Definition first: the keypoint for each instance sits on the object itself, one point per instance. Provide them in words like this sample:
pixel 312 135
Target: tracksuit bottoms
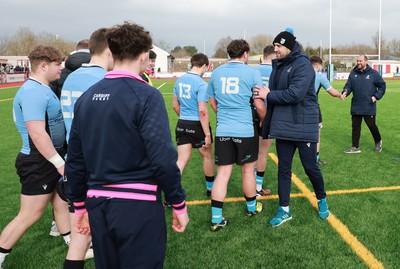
pixel 307 151
pixel 127 233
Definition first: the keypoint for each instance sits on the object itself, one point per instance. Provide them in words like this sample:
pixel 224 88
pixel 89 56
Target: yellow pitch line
pixel 342 229
pixel 240 199
pixel 390 188
pixel 6 99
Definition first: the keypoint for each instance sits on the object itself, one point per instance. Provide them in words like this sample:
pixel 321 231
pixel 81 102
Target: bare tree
pixel 24 40
pixel 3 44
pixel 394 47
pixel 163 45
pixel 375 43
pixel 258 43
pixel 220 48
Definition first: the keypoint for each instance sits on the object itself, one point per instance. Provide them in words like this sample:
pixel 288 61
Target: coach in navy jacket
pixel 367 87
pixel 292 101
pixel 364 84
pixel 292 119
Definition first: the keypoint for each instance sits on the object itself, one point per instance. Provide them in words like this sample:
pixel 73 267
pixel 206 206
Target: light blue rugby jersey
pixel 190 89
pixel 321 80
pixel 74 86
pixel 35 101
pixel 231 85
pixel 265 71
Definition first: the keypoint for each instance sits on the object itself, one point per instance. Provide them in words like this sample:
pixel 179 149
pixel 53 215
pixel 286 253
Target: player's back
pixel 231 85
pixel 190 89
pixel 74 86
pixel 265 71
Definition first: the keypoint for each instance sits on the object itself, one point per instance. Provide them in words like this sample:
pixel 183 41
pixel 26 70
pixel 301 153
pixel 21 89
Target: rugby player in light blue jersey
pixel 190 102
pixel 39 164
pixel 265 69
pixel 236 140
pixel 322 81
pixel 74 86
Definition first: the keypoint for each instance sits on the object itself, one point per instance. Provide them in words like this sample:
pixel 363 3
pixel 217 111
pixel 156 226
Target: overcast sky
pixel 202 23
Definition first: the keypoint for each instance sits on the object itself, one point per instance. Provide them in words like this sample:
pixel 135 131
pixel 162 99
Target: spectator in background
pixel 322 81
pixel 367 87
pixel 150 68
pixel 74 61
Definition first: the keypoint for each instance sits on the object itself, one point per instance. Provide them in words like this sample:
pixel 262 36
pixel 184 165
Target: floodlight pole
pixel 330 67
pixel 330 31
pixel 380 37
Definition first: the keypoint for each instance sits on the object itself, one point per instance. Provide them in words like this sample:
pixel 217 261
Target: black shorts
pixel 190 132
pixel 239 150
pixel 37 175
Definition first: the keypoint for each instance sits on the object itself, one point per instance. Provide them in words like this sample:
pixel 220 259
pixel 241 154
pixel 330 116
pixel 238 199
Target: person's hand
pixel 373 98
pixel 260 92
pixel 81 223
pixel 344 94
pixel 60 170
pixel 179 222
pixel 342 97
pixel 207 141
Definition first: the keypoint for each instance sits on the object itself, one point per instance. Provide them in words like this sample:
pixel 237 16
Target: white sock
pixel 67 239
pixel 2 257
pixel 285 208
pixel 259 187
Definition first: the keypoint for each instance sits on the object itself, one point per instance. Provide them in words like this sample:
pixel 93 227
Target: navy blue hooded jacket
pixel 292 103
pixel 364 84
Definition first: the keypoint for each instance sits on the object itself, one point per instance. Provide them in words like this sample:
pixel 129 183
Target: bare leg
pixel 221 182
pixel 184 152
pixel 31 210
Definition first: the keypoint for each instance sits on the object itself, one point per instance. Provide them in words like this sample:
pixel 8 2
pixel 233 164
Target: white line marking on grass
pixel 159 87
pixel 6 99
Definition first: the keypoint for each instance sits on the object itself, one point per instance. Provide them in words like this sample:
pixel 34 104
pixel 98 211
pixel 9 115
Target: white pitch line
pixel 159 87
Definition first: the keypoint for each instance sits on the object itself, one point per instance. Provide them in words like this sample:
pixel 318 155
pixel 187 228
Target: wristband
pixel 57 161
pixel 208 134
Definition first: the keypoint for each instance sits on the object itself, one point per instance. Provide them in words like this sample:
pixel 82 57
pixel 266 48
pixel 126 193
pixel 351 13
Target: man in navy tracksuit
pixel 292 119
pixel 367 87
pixel 120 158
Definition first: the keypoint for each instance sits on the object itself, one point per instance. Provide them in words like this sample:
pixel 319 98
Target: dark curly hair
pixel 237 47
pixel 128 41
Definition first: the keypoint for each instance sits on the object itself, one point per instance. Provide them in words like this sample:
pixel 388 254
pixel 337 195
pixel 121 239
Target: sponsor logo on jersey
pixel 237 140
pixel 101 97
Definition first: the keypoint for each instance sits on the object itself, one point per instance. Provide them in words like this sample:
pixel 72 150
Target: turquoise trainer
pixel 323 212
pixel 281 217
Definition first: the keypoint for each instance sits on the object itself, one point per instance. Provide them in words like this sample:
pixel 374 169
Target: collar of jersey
pixel 193 73
pixel 236 62
pixel 123 74
pixel 34 79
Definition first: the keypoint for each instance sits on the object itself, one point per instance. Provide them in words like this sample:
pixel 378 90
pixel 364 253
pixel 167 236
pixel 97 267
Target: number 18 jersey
pixel 231 86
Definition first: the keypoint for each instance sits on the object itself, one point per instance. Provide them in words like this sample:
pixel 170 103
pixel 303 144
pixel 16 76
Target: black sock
pixel 3 250
pixel 68 264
